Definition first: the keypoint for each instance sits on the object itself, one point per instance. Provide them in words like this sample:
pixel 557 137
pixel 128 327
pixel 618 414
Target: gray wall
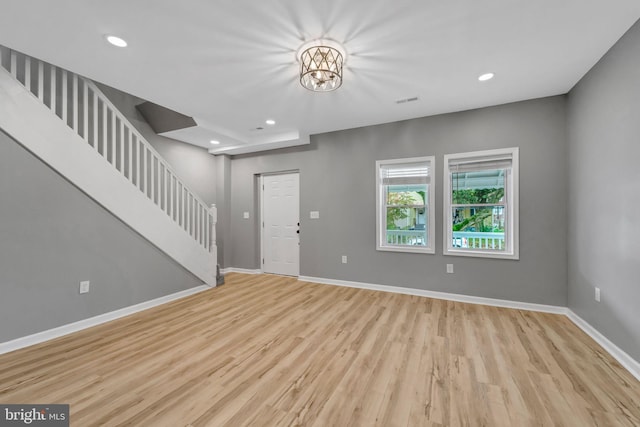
pixel 223 203
pixel 604 194
pixel 52 236
pixel 337 178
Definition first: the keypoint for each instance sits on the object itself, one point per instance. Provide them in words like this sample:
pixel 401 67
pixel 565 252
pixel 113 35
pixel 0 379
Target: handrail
pixel 139 135
pixel 86 109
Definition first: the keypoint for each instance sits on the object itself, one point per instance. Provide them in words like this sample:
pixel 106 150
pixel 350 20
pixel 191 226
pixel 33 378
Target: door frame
pixel 261 203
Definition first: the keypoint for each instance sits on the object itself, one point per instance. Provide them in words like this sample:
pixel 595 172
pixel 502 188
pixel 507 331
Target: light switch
pixel 84 286
pixel 245 215
pixel 314 214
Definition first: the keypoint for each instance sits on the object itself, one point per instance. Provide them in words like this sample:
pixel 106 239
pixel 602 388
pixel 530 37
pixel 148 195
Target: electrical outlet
pixel 84 286
pixel 245 215
pixel 314 215
pixel 344 259
pixel 598 294
pixel 450 268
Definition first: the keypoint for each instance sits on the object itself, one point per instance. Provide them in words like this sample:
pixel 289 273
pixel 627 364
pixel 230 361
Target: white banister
pixel 65 97
pixel 189 214
pixel 200 221
pixel 121 146
pixel 152 152
pixel 196 222
pixel 213 213
pixel 27 73
pixel 204 220
pixel 163 180
pixel 53 86
pixel 5 55
pixel 152 175
pixel 74 103
pixel 95 118
pixel 207 228
pixel 203 214
pixel 171 210
pixel 182 221
pixel 41 81
pixel 104 128
pixel 199 224
pixel 14 64
pixel 146 171
pixel 138 166
pixel 130 153
pixel 113 138
pixel 85 111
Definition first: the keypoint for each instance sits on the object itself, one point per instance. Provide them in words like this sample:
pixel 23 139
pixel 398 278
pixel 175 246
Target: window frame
pixel 430 219
pixel 511 212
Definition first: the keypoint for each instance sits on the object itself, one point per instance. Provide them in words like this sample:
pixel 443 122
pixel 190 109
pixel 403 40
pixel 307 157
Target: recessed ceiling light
pixel 485 77
pixel 116 41
pixel 214 142
pixel 270 122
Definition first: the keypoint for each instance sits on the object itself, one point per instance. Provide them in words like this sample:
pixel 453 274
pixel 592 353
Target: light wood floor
pixel 271 351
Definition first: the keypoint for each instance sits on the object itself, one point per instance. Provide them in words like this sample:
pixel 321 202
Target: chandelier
pixel 321 65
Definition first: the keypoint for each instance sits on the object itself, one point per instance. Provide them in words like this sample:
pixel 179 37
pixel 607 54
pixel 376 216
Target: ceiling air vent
pixel 405 100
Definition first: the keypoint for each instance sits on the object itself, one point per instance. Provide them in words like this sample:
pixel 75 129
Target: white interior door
pixel 281 224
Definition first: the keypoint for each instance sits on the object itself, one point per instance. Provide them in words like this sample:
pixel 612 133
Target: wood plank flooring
pixel 273 351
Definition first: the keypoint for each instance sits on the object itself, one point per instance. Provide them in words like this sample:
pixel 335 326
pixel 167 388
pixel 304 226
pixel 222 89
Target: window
pixel 481 204
pixel 405 200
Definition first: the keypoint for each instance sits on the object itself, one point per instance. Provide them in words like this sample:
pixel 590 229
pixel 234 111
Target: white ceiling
pixel 231 63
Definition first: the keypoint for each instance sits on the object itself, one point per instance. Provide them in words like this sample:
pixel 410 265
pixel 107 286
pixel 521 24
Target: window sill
pixel 409 249
pixel 481 254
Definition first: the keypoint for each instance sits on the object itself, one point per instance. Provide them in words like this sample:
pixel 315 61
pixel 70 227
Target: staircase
pixel 66 121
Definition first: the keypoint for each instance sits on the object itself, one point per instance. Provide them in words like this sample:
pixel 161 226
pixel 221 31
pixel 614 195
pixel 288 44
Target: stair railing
pixel 80 104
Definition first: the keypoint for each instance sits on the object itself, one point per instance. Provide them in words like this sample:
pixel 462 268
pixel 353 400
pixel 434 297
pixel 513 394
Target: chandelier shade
pixel 321 68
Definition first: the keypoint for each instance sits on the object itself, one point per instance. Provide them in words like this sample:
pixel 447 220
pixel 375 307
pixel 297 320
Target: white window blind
pixel 480 163
pixel 405 174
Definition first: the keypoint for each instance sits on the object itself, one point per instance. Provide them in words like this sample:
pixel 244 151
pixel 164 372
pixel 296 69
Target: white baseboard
pixel 441 295
pixel 629 363
pixel 50 334
pixel 240 270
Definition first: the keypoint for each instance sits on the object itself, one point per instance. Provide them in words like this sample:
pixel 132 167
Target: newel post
pixel 214 219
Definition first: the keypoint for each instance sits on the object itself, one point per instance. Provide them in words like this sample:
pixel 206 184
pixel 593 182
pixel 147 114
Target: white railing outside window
pixel 478 240
pixel 407 237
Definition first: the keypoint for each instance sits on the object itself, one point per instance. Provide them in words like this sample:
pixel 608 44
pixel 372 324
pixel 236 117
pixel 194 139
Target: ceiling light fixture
pixel 270 122
pixel 214 142
pixel 485 77
pixel 321 63
pixel 116 41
